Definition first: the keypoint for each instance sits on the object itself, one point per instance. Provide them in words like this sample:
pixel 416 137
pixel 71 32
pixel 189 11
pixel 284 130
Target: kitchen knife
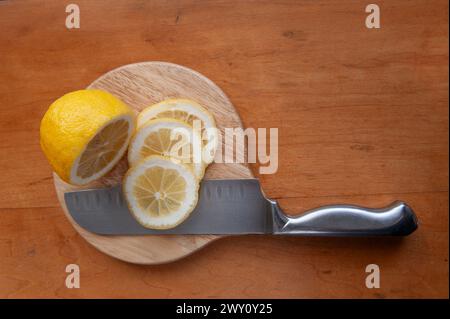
pixel 235 207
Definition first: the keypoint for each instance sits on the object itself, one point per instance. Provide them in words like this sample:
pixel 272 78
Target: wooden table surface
pixel 362 117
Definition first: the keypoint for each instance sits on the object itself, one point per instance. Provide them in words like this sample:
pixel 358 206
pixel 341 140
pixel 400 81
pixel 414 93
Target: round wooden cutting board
pixel 140 85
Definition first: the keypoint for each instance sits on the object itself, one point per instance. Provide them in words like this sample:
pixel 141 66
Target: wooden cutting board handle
pixel 140 85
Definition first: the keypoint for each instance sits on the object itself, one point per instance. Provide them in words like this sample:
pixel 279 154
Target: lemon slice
pixel 170 138
pixel 187 111
pixel 160 193
pixel 85 133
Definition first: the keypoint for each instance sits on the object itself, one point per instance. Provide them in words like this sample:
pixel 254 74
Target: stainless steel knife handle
pixel 397 219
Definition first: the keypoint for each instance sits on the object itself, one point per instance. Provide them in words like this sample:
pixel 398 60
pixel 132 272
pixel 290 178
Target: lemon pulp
pixel 159 191
pixel 103 148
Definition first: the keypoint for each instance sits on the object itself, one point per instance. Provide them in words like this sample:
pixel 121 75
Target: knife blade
pixel 224 207
pixel 236 207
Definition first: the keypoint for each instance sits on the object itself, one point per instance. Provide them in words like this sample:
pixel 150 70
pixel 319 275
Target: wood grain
pixel 140 85
pixel 362 117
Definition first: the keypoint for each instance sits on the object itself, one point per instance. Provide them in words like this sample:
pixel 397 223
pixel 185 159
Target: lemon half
pixel 85 133
pixel 160 193
pixel 186 111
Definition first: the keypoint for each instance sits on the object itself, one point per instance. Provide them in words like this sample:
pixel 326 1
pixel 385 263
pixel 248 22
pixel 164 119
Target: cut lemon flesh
pixel 187 111
pixel 103 151
pixel 85 133
pixel 160 193
pixel 170 138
